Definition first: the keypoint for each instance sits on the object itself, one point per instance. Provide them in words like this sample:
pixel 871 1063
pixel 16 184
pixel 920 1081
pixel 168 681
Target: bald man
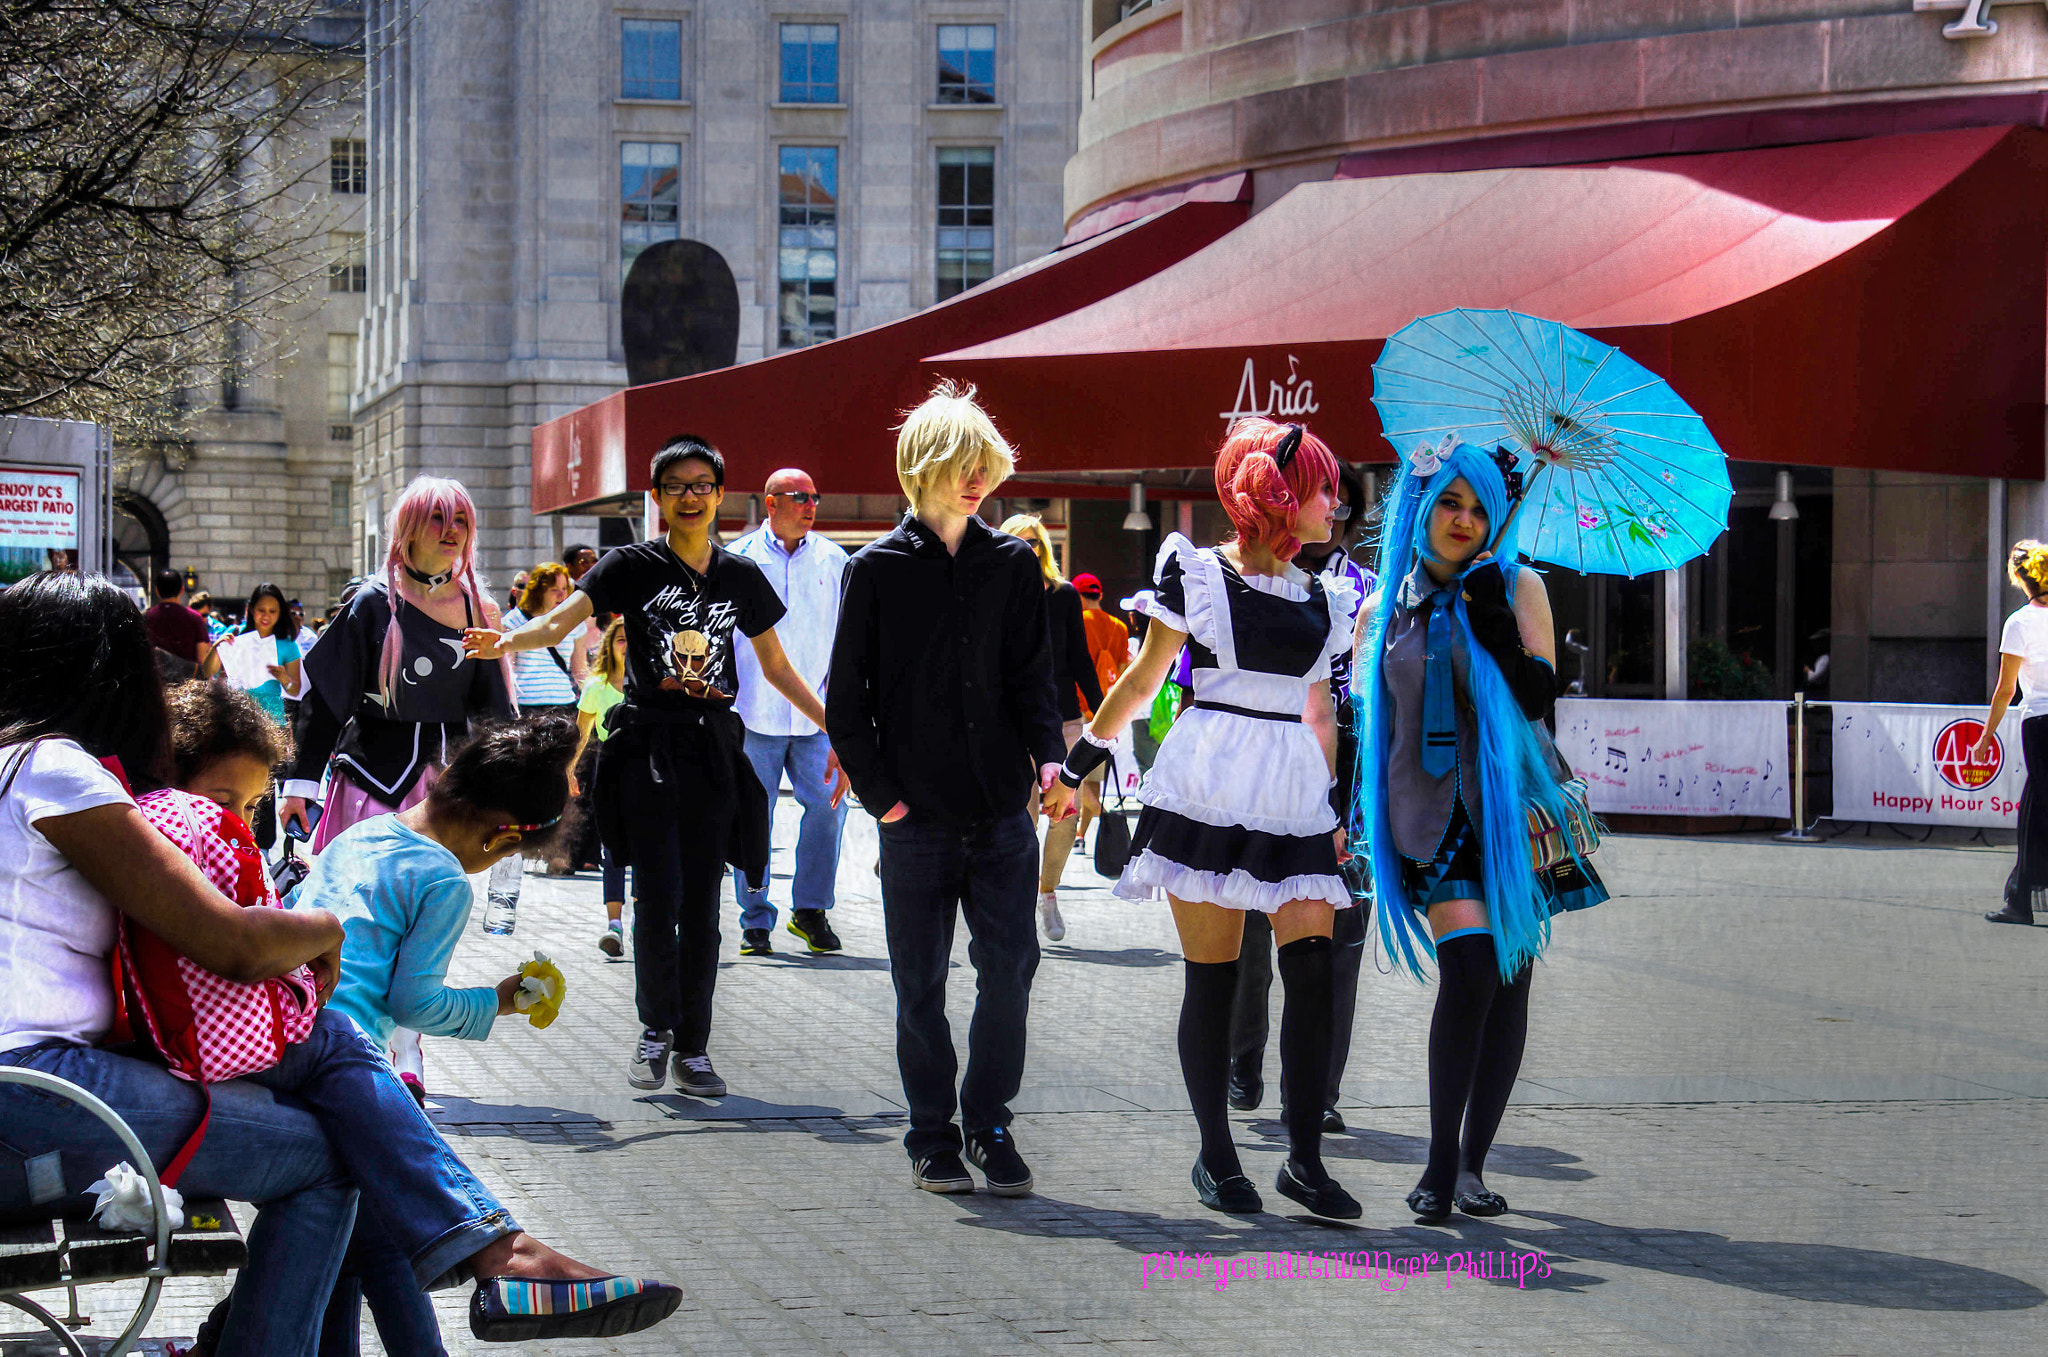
pixel 805 568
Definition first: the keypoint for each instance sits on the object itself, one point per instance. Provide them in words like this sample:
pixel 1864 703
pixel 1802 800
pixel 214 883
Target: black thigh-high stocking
pixel 1205 1059
pixel 1305 973
pixel 1467 981
pixel 1500 1060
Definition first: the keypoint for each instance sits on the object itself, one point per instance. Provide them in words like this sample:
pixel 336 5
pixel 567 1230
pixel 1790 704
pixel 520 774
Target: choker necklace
pixel 428 582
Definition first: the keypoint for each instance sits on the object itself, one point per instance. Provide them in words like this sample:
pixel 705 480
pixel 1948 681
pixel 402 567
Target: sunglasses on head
pixel 798 496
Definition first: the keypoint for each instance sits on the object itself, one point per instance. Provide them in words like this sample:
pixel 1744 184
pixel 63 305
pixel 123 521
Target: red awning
pixel 832 408
pixel 1879 303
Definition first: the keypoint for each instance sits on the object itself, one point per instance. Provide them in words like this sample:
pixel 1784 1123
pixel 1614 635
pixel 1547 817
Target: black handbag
pixel 1113 838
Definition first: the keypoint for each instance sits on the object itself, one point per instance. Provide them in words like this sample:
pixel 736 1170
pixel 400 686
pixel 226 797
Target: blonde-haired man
pixel 940 705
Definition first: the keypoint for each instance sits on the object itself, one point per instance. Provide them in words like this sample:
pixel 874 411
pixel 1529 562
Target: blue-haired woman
pixel 1457 668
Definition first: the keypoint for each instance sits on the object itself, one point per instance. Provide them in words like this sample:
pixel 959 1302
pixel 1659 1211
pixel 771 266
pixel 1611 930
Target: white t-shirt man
pixel 807 581
pixel 56 930
pixel 2026 635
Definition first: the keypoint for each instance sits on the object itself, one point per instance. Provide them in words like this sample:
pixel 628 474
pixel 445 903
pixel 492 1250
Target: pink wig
pixel 426 499
pixel 1260 498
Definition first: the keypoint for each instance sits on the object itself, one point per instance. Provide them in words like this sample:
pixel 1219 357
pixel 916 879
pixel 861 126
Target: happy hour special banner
pixel 1677 758
pixel 1909 763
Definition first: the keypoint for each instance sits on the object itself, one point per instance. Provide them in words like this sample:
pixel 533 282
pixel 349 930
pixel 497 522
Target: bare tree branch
pixel 150 213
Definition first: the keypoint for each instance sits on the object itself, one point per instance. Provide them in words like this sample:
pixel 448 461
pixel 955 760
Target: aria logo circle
pixel 1952 755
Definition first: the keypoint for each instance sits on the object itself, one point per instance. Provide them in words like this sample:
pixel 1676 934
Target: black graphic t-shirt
pixel 680 624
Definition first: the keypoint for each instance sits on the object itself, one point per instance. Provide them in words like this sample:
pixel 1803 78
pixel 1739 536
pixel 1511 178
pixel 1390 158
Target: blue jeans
pixel 931 876
pixel 341 1099
pixel 817 835
pixel 258 1148
pixel 375 1271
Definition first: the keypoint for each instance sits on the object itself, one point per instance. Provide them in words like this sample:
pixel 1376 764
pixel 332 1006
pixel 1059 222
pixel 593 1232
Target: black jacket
pixel 941 688
pixel 1071 662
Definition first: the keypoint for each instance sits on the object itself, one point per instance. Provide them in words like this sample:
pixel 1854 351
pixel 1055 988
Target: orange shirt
pixel 1109 641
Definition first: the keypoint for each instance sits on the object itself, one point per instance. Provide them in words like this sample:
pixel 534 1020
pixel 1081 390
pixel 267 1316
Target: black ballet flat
pixel 1233 1196
pixel 1429 1206
pixel 1484 1202
pixel 1327 1200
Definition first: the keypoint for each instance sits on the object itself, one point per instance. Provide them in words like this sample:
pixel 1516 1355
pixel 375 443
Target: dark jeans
pixel 2029 876
pixel 932 874
pixel 673 787
pixel 1249 1013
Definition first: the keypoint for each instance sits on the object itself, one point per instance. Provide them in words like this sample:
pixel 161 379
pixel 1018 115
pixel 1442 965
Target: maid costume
pixel 1238 804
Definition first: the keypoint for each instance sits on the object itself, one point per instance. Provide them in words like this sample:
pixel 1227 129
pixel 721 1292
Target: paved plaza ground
pixel 1776 1100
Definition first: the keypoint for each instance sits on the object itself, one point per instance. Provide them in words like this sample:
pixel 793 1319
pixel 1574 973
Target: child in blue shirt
pixel 400 886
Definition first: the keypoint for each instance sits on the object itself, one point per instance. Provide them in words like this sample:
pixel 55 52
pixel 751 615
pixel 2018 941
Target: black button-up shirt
pixel 941 690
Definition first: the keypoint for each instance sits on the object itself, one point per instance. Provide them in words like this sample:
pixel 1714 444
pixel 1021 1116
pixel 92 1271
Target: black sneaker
pixel 812 926
pixel 995 1154
pixel 755 942
pixel 695 1076
pixel 941 1171
pixel 649 1066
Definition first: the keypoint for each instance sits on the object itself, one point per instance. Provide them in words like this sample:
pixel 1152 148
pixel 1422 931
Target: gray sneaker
pixel 649 1066
pixel 695 1076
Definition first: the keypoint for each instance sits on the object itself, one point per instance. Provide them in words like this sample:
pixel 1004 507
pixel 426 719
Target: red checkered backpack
pixel 207 1028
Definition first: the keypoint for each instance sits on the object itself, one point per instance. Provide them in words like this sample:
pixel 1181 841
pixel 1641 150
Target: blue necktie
pixel 1439 710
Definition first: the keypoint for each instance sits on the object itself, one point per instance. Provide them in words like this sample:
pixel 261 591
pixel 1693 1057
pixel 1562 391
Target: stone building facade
pixel 260 491
pixel 1182 97
pixel 850 160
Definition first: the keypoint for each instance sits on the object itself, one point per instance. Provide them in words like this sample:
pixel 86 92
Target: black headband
pixel 1289 445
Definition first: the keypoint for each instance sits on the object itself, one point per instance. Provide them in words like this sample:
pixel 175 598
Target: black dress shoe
pixel 1234 1196
pixel 2003 916
pixel 1246 1091
pixel 1327 1200
pixel 1333 1125
pixel 1481 1203
pixel 1430 1206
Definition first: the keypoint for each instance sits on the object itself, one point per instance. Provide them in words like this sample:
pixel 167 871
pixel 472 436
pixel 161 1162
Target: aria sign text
pixel 1976 21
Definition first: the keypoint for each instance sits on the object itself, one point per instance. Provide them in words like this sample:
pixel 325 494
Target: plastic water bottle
pixel 501 897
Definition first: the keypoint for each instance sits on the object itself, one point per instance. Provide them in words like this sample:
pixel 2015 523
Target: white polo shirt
pixel 807 581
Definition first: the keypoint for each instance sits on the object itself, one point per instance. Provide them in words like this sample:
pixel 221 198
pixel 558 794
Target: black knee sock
pixel 1305 974
pixel 1205 1059
pixel 1467 980
pixel 1500 1060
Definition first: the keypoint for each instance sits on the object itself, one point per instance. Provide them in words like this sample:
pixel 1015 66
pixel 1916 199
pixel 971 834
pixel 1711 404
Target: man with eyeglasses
pixel 804 568
pixel 676 798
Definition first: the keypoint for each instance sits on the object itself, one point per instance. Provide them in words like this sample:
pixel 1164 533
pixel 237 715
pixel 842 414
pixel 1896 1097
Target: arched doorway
pixel 142 543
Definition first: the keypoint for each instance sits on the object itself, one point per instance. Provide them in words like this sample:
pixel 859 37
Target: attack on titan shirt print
pixel 697 659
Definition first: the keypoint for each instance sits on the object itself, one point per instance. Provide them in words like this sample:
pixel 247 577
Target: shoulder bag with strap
pixel 205 1027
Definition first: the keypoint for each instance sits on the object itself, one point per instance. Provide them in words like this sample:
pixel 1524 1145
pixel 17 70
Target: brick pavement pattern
pixel 1776 1099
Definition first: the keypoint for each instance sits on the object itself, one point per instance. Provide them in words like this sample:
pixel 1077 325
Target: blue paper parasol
pixel 1626 479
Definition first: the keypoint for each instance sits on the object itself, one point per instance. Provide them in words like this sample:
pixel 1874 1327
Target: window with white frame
pixel 967 63
pixel 650 197
pixel 348 165
pixel 807 189
pixel 967 218
pixel 348 266
pixel 341 385
pixel 650 59
pixel 810 64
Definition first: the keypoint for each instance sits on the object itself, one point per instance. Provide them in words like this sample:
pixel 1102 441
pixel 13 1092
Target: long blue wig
pixel 1513 770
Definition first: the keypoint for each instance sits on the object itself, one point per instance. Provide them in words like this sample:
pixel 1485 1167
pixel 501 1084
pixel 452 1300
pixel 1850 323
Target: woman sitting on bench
pixel 79 698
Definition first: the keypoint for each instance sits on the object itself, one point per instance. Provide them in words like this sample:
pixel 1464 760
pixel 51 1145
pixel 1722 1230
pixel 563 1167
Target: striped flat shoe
pixel 516 1310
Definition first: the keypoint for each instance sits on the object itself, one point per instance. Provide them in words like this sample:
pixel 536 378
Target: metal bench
pixel 44 1254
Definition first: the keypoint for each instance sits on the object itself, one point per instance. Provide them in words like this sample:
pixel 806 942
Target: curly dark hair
pixel 212 720
pixel 518 769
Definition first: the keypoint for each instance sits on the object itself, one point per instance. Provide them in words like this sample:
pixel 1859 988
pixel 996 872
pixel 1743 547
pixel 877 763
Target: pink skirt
pixel 348 804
